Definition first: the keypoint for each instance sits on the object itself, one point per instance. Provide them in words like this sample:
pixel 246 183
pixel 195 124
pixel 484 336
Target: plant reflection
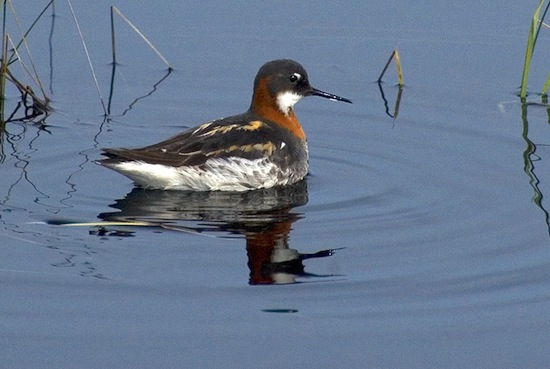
pixel 263 217
pixel 395 112
pixel 137 99
pixel 530 157
pixel 19 152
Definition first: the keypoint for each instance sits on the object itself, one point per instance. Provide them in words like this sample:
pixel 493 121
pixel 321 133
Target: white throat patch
pixel 286 100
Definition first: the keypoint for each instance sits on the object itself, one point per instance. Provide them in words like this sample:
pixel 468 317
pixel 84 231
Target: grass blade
pixel 24 37
pixel 546 86
pixel 113 38
pixel 3 68
pixel 87 56
pixel 394 56
pixel 399 70
pixel 531 41
pixel 3 73
pixel 142 36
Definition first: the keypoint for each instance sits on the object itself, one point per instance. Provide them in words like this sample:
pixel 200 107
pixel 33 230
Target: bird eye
pixel 295 77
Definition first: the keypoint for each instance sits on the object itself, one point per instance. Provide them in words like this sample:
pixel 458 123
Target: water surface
pixel 416 242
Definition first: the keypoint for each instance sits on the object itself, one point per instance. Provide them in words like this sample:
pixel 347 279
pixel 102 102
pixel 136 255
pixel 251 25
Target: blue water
pixel 436 219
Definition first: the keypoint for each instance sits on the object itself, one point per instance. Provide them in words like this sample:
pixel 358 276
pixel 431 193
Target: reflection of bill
pixel 263 217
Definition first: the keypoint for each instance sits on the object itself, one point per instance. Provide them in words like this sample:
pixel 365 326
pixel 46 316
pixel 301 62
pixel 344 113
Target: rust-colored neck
pixel 265 106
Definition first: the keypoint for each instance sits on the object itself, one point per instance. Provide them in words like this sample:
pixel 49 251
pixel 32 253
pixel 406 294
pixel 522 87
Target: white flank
pixel 286 100
pixel 232 174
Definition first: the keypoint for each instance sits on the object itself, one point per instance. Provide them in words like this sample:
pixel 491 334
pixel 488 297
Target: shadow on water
pixel 263 218
pixel 392 114
pixel 530 157
pixel 137 99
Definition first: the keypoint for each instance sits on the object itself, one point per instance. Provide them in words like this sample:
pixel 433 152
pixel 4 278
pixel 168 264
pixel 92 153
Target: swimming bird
pixel 261 148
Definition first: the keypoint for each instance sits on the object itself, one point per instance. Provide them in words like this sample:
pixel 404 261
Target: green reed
pixel 534 30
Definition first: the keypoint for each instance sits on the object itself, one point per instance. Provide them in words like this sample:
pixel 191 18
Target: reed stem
pixel 98 89
pixel 394 56
pixel 534 30
pixel 136 30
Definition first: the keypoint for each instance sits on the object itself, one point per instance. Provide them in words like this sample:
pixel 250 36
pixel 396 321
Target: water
pixel 416 242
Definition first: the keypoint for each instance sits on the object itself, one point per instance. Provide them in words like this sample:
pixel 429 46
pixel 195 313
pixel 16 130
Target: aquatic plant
pixel 37 105
pixel 114 53
pixel 107 108
pixel 534 29
pixel 33 105
pixel 394 56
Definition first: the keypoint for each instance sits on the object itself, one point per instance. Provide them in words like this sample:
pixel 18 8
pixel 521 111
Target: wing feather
pixel 234 136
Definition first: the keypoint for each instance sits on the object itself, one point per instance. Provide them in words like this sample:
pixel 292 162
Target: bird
pixel 261 148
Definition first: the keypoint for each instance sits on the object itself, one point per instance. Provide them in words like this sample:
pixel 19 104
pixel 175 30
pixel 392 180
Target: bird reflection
pixel 262 217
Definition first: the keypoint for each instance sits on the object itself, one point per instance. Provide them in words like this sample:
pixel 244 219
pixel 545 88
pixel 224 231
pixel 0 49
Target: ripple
pixel 444 201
